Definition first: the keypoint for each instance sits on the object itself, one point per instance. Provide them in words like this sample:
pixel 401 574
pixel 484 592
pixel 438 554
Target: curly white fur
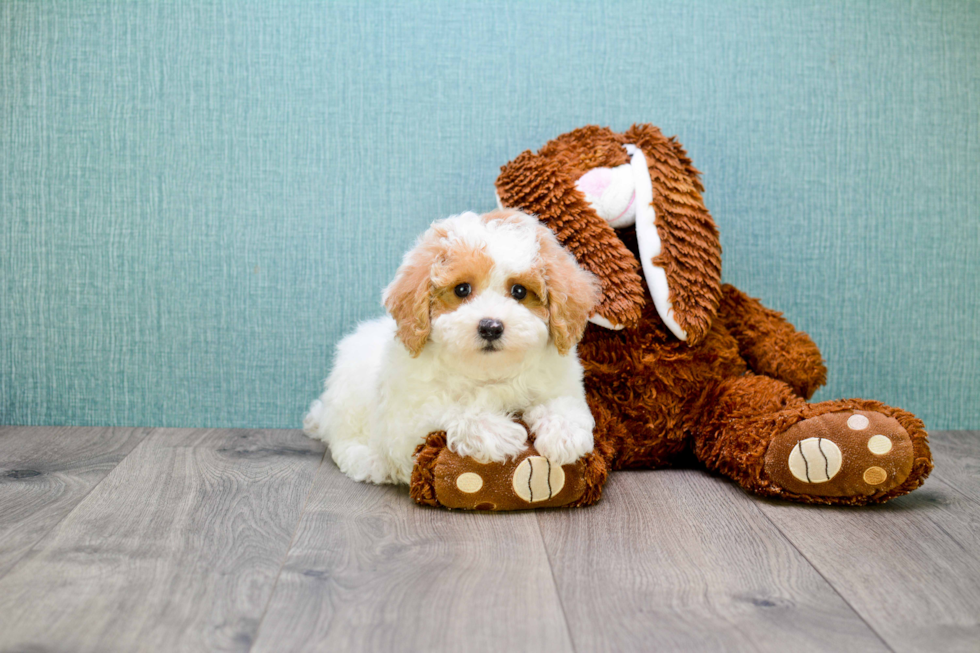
pixel 396 379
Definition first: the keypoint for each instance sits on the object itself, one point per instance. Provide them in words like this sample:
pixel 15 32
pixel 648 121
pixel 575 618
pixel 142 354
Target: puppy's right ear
pixel 408 297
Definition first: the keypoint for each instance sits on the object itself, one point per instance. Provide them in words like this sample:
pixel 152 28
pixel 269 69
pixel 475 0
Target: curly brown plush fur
pixel 741 378
pixel 728 381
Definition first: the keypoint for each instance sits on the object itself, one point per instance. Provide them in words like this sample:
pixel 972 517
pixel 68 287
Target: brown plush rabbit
pixel 675 361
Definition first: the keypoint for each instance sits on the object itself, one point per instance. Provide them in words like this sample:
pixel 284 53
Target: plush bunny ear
pixel 566 185
pixel 681 252
pixel 542 186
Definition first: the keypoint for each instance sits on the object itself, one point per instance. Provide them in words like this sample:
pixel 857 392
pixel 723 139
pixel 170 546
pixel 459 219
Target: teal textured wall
pixel 198 199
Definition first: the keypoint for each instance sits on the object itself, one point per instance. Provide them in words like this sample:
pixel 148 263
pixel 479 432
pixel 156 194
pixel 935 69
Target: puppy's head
pixel 492 287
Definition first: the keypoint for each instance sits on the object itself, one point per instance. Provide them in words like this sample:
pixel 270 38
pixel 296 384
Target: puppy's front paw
pixel 486 437
pixel 562 439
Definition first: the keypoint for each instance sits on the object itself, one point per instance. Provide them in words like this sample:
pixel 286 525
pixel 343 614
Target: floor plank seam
pixel 285 557
pixel 54 526
pixel 554 583
pixel 827 580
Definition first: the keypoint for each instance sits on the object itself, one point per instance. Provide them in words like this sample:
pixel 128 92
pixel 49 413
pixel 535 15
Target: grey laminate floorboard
pixel 370 571
pixel 185 545
pixel 678 560
pixel 957 456
pixel 910 567
pixel 45 472
pixel 177 549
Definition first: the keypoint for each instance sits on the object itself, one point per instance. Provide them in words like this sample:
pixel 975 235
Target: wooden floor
pixel 118 539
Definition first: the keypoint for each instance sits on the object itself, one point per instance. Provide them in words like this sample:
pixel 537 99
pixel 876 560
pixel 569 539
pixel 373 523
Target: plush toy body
pixel 677 363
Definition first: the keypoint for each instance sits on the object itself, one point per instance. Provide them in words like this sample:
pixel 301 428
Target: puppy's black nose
pixel 490 330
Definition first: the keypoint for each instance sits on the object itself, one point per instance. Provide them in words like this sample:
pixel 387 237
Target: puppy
pixel 484 315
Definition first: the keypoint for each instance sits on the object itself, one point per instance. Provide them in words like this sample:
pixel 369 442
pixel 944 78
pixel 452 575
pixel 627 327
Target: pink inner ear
pixel 595 182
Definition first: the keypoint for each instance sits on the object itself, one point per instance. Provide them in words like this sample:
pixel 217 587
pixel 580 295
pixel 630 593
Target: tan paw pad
pixel 536 479
pixel 879 444
pixel 469 482
pixel 875 475
pixel 815 460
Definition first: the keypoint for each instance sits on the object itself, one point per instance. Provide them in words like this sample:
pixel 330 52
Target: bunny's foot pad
pixel 850 453
pixel 443 478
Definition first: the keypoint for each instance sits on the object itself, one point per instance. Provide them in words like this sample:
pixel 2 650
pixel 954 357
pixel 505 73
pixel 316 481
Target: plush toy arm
pixel 771 345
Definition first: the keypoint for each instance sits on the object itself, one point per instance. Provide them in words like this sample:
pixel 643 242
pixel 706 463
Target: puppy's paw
pixel 560 438
pixel 486 437
pixel 313 423
pixel 361 463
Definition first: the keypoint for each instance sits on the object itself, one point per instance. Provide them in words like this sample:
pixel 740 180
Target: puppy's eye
pixel 518 292
pixel 462 290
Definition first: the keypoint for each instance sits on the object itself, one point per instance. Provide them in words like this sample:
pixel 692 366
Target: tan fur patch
pixel 459 264
pixel 536 300
pixel 462 264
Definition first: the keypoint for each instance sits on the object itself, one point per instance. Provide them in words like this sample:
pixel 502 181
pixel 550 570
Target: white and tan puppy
pixel 484 315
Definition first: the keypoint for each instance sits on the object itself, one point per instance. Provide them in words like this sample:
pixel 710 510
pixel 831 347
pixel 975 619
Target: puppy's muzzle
pixel 490 330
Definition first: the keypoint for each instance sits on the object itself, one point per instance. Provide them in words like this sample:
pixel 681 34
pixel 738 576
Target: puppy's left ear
pixel 572 292
pixel 407 299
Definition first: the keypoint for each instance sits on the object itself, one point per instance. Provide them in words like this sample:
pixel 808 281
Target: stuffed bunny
pixel 675 361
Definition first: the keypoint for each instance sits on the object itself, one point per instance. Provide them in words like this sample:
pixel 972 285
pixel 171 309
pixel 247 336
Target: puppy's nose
pixel 490 330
